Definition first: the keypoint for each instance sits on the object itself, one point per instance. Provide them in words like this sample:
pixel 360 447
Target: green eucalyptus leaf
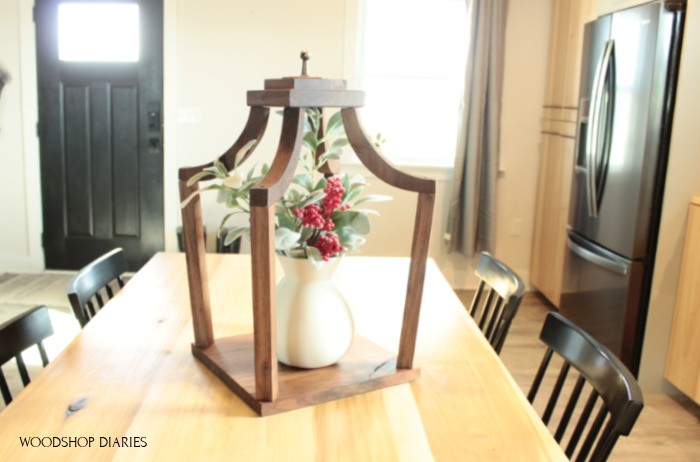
pixel 314 256
pixel 285 221
pixel 294 253
pixel 306 233
pixel 220 169
pixel 368 211
pixel 335 123
pixel 235 233
pixel 285 238
pixel 342 219
pixel 345 181
pixel 304 180
pixel 280 209
pixel 357 180
pixel 351 195
pixel 249 176
pixel 294 197
pixel 314 117
pixel 360 223
pixel 312 198
pixel 374 198
pixel 219 187
pixel 195 193
pixel 339 144
pixel 189 198
pixel 242 202
pixel 198 176
pixel 337 130
pixel 240 155
pixel 349 239
pixel 326 156
pixel 321 184
pixel 379 140
pixel 311 141
pixel 225 219
pixel 223 197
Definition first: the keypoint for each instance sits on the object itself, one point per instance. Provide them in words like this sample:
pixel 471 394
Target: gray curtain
pixel 472 226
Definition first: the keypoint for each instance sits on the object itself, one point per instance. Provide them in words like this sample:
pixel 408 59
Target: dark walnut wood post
pixel 247 364
pixel 377 164
pixel 192 229
pixel 262 231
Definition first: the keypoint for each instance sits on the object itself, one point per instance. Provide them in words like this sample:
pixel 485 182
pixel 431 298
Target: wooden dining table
pixel 129 388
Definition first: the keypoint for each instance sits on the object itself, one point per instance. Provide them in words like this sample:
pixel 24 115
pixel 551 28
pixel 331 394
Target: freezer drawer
pixel 601 293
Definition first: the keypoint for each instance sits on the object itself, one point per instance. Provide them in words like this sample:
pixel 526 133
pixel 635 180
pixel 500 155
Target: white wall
pixel 20 208
pixel 527 41
pixel 214 52
pixel 207 122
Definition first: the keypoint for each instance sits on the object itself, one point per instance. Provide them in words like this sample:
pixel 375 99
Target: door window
pixel 98 32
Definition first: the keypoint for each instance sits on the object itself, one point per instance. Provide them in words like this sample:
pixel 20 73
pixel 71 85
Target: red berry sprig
pixel 319 218
pixel 328 245
pixel 310 217
pixel 334 196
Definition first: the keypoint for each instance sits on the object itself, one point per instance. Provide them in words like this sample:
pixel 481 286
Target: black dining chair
pixel 95 284
pixel 613 391
pixel 17 335
pixel 496 300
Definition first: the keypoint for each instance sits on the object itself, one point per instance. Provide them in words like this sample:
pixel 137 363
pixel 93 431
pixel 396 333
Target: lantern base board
pixel 365 367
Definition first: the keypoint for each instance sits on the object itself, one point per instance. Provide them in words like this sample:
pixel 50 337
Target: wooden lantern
pixel 248 364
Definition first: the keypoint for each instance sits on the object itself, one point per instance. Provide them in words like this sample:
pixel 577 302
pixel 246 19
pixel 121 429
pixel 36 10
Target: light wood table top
pixel 142 386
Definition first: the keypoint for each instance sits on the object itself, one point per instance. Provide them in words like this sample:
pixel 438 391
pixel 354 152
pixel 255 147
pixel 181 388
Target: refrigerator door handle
pixel 592 135
pixel 597 256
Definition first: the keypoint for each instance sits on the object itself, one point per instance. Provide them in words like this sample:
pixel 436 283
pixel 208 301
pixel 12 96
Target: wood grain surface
pixel 682 365
pixel 134 368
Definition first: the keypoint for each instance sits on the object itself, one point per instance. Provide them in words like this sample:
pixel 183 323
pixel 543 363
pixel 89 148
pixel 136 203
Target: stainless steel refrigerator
pixel 628 77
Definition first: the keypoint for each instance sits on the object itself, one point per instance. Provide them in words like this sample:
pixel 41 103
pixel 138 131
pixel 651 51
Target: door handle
pixel 609 262
pixel 153 115
pixel 592 134
pixel 154 145
pixel 154 127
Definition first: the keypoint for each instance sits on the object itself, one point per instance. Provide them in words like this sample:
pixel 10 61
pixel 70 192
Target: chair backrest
pixel 95 284
pixel 16 335
pixel 497 299
pixel 601 371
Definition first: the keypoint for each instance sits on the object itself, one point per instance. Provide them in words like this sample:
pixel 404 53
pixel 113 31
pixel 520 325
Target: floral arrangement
pixel 317 218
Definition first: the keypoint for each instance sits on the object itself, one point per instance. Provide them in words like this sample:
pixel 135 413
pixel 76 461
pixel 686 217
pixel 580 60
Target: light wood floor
pixel 668 428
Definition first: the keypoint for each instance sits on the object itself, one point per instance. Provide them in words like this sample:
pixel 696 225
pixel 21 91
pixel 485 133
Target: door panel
pixel 601 295
pixel 621 223
pixel 101 156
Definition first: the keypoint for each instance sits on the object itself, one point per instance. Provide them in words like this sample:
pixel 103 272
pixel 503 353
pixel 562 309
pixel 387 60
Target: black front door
pixel 100 73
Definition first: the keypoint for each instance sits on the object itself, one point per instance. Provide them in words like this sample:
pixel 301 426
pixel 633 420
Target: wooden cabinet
pixel 608 6
pixel 558 144
pixel 564 62
pixel 551 214
pixel 683 358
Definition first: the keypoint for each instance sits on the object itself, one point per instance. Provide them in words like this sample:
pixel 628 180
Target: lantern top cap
pixel 305 91
pixel 305 56
pixel 304 81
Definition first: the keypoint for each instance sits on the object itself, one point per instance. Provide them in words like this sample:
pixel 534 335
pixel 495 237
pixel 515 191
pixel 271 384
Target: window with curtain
pixel 413 55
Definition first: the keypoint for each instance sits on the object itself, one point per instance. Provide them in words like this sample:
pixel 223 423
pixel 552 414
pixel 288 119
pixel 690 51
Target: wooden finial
pixel 305 56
